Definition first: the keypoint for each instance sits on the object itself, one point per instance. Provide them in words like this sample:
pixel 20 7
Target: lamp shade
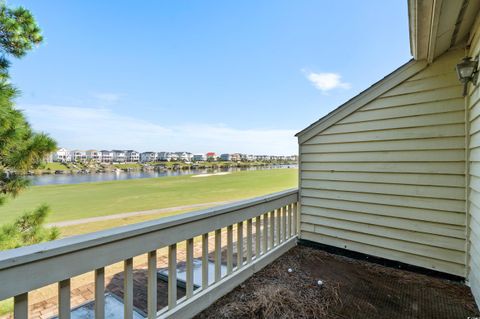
pixel 466 69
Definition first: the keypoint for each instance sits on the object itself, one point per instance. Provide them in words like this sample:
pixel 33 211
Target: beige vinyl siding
pixel 389 179
pixel 473 102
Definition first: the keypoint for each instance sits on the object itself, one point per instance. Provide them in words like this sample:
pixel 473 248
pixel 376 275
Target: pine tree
pixel 21 148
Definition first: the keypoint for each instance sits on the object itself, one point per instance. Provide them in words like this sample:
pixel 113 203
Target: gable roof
pixel 434 26
pixel 401 74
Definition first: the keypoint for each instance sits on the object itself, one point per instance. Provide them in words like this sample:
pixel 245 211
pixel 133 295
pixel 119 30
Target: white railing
pixel 271 224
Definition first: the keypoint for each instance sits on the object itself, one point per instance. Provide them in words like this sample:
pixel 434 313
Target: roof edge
pixel 396 77
pixel 422 27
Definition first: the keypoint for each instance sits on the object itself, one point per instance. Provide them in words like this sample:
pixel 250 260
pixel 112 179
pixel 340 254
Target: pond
pixel 114 176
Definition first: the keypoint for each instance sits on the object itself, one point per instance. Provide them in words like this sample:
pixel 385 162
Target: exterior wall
pixel 473 102
pixel 389 179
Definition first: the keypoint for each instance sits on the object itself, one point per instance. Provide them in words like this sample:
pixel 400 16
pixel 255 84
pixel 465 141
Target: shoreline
pixel 57 168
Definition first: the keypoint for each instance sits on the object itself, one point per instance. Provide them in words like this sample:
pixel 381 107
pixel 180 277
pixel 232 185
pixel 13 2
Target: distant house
pixel 262 158
pixel 226 157
pixel 164 156
pixel 147 157
pixel 247 157
pixel 174 157
pixel 184 156
pixel 132 156
pixel 293 158
pixel 61 155
pixel 199 157
pixel 235 157
pixel 119 156
pixel 211 156
pixel 106 156
pixel 94 155
pixel 78 156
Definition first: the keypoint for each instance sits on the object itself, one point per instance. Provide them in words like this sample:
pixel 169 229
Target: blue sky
pixel 201 76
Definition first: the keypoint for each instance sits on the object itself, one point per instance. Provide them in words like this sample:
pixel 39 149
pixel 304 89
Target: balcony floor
pixel 352 289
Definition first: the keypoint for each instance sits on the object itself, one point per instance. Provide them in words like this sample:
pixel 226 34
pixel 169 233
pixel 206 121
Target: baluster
pixel 64 299
pixel 239 245
pixel 279 225
pixel 189 261
pixel 152 285
pixel 218 254
pixel 265 233
pixel 20 310
pixel 128 288
pixel 284 223
pixel 100 293
pixel 289 221
pixel 172 276
pixel 229 249
pixel 295 216
pixel 204 261
pixel 272 229
pixel 249 241
pixel 257 237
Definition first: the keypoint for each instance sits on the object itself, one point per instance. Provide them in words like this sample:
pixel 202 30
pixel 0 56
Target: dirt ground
pixel 351 289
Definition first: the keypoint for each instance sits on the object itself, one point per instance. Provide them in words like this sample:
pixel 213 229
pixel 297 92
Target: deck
pixel 258 271
pixel 352 289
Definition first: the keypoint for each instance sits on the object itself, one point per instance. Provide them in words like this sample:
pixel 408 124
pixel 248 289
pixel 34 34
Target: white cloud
pixel 99 128
pixel 106 97
pixel 326 81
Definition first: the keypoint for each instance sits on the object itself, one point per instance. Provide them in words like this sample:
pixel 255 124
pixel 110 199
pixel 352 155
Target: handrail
pixel 18 256
pixel 60 260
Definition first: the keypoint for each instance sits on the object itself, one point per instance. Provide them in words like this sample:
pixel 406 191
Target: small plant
pixel 28 229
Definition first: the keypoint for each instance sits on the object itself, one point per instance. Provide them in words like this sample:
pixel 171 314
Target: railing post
pixel 152 285
pixel 172 276
pixel 100 293
pixel 278 224
pixel 239 245
pixel 249 241
pixel 257 236
pixel 229 249
pixel 20 309
pixel 205 261
pixel 289 220
pixel 218 254
pixel 296 227
pixel 284 223
pixel 128 288
pixel 64 299
pixel 272 229
pixel 265 233
pixel 189 261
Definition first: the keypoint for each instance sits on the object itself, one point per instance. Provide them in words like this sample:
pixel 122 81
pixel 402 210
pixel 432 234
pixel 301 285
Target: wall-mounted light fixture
pixel 467 72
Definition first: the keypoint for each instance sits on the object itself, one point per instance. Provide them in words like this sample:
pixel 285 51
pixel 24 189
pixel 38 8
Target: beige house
pixel 94 155
pixel 394 171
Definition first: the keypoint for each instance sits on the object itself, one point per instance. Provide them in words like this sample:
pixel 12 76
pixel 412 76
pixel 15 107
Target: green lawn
pixel 128 165
pixel 105 198
pixel 55 166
